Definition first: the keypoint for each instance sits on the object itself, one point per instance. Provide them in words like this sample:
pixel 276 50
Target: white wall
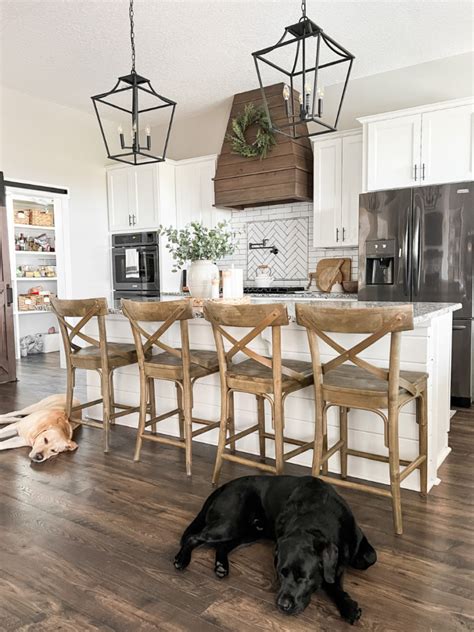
pixel 48 143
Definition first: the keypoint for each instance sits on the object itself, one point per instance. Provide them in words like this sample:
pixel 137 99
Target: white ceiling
pixel 198 52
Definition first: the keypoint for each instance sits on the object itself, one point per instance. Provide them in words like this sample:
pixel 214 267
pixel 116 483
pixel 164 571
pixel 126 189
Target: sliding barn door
pixel 7 342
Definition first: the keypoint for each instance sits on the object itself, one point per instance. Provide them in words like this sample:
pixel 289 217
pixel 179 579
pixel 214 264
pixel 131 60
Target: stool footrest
pixel 373 457
pixel 162 417
pixel 93 423
pixel 302 448
pixel 241 434
pixel 357 486
pixel 162 439
pixel 327 455
pixel 242 461
pixel 122 413
pixel 86 405
pixel 209 426
pixel 413 466
pixel 271 435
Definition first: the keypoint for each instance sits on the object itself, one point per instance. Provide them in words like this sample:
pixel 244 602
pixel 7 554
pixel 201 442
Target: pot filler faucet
pixel 262 245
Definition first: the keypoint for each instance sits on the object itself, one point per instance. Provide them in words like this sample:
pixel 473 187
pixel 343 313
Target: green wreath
pixel 265 138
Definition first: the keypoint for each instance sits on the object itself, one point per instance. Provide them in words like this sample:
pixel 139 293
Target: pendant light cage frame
pixel 304 104
pixel 128 90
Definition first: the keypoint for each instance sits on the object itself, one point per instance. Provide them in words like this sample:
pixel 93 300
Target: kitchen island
pixel 427 348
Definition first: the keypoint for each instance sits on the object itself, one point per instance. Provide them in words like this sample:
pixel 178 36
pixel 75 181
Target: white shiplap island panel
pixel 427 348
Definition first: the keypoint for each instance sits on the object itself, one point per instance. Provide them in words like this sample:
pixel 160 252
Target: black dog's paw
pixel 181 561
pixel 221 570
pixel 350 611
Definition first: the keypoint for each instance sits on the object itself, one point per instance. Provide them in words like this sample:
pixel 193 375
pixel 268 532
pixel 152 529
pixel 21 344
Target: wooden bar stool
pixel 267 378
pixel 183 366
pixel 367 387
pixel 98 355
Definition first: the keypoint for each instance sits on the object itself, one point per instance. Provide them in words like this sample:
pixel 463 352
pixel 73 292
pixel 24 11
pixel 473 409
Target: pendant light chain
pixel 132 35
pixel 303 8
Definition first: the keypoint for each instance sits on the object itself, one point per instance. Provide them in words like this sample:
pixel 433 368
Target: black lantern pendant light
pixel 137 108
pixel 305 60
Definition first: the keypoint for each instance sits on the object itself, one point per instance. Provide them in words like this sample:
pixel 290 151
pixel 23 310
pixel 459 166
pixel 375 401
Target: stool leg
pixel 69 390
pixel 343 434
pixel 112 396
pixel 152 398
pixel 105 380
pixel 188 423
pixel 278 420
pixel 222 436
pixel 231 421
pixel 325 466
pixel 179 400
pixel 261 426
pixel 142 416
pixel 394 463
pixel 318 439
pixel 422 418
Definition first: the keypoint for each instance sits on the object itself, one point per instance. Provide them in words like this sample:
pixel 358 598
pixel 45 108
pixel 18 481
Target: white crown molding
pixel 421 109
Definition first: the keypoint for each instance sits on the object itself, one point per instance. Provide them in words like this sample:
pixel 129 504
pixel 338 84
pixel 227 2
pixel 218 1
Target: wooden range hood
pixel 284 176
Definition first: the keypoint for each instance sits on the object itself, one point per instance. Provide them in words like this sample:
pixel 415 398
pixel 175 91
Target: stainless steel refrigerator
pixel 416 245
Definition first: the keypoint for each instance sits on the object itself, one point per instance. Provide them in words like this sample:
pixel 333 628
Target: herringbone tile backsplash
pixel 290 229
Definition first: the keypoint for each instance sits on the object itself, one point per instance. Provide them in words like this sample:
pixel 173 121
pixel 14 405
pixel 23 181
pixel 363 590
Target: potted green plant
pixel 202 247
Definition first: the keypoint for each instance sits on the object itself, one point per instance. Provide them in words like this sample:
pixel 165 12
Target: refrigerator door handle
pixel 417 249
pixel 406 257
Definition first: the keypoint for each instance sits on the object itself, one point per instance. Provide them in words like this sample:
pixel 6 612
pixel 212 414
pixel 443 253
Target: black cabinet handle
pixel 337 234
pixel 416 168
pixel 459 327
pixel 343 234
pixel 9 295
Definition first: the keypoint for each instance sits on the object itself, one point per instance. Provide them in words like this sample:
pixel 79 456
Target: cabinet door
pixel 351 188
pixel 393 153
pixel 169 281
pixel 327 193
pixel 447 145
pixel 195 192
pixel 145 180
pixel 120 192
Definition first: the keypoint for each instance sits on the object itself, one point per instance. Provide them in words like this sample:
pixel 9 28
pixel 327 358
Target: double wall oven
pixel 135 265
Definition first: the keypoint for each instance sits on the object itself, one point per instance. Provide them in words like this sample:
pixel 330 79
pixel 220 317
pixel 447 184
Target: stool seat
pixel 118 355
pixel 239 374
pixel 167 364
pixel 353 380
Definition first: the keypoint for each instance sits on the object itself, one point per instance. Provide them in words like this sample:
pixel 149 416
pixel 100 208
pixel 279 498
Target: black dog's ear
pixel 330 556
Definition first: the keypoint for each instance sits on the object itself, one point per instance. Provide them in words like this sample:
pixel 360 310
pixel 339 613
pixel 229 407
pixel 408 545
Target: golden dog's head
pixel 52 441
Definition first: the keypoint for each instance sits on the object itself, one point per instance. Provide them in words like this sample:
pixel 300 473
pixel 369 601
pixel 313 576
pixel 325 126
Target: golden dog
pixel 42 426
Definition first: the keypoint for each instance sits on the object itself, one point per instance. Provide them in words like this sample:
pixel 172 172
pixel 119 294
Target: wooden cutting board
pixel 327 272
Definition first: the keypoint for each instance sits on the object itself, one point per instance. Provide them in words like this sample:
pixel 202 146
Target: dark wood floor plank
pixel 87 542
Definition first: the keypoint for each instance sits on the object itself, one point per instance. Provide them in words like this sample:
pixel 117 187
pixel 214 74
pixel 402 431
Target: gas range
pixel 273 290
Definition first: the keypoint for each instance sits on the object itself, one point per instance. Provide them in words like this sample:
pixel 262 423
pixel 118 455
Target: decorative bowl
pixel 350 287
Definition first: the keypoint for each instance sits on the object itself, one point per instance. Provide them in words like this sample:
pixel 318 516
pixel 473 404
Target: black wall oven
pixel 135 265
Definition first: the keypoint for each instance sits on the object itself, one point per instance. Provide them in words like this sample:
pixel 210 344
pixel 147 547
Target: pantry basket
pixel 22 216
pixel 42 218
pixel 26 302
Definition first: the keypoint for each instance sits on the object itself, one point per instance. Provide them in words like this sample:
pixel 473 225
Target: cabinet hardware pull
pixel 129 219
pixel 337 234
pixel 343 234
pixel 416 167
pixel 133 219
pixel 423 171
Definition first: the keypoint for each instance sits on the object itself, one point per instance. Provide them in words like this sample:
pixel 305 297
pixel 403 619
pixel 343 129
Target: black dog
pixel 316 535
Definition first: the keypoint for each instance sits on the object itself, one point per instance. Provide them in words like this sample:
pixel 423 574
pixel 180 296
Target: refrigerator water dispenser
pixel 380 262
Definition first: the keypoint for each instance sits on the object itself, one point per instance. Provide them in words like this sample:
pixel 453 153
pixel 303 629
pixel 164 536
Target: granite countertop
pixel 423 312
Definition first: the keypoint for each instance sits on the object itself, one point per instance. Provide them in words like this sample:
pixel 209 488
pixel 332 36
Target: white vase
pixel 199 277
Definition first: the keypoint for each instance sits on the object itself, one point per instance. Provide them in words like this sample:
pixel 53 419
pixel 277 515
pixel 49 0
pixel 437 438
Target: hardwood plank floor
pixel 87 542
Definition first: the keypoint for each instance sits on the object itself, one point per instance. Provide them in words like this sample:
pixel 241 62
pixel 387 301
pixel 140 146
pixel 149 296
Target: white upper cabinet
pixel 327 191
pixel 133 197
pixel 351 188
pixel 393 152
pixel 195 191
pixel 448 145
pixel 425 145
pixel 120 198
pixel 337 185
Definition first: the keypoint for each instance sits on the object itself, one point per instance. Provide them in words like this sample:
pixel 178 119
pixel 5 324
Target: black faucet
pixel 262 245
